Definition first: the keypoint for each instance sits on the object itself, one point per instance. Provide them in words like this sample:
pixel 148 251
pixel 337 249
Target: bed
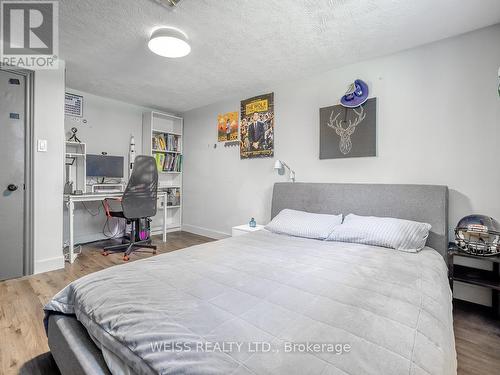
pixel 265 303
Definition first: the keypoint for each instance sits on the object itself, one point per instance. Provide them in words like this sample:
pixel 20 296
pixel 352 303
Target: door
pixel 12 173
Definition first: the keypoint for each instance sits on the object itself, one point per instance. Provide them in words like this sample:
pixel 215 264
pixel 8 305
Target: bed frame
pixel 76 354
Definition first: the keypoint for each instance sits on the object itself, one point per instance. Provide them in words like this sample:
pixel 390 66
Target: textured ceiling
pixel 241 46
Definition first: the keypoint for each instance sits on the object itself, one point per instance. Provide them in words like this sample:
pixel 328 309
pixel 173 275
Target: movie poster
pixel 227 127
pixel 257 127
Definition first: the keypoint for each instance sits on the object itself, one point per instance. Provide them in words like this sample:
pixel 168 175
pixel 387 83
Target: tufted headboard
pixel 424 203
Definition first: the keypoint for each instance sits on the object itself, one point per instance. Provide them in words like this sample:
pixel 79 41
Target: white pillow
pixel 304 224
pixel 399 234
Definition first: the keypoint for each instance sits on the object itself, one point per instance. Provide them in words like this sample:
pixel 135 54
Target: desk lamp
pixel 280 166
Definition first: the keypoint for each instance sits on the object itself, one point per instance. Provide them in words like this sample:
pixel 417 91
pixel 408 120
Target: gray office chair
pixel 138 203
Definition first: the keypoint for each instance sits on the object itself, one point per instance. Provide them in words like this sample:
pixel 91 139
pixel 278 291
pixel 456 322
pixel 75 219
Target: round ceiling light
pixel 169 42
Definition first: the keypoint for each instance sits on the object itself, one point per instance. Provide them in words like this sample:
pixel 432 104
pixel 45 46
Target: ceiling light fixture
pixel 169 42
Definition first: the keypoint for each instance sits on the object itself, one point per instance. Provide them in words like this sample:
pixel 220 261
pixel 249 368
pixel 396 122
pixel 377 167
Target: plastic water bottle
pixel 252 223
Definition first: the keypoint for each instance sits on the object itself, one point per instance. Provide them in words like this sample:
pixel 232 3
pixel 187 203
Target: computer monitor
pixel 105 166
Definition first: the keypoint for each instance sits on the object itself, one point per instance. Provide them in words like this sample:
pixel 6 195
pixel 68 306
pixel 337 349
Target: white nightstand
pixel 245 228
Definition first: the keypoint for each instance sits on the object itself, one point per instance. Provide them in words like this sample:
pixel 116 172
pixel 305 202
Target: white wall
pixel 48 169
pixel 109 126
pixel 438 123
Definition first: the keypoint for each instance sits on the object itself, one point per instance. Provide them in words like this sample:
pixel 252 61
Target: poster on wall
pixel 257 127
pixel 348 132
pixel 227 127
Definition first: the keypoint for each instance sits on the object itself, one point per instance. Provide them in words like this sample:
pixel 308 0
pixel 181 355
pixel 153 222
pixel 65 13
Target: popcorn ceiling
pixel 242 47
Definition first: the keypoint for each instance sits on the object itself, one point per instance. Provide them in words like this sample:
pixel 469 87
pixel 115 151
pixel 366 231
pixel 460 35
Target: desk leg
pixel 164 217
pixel 71 209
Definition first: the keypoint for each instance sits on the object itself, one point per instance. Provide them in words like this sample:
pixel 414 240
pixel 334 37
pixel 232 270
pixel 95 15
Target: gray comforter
pixel 264 303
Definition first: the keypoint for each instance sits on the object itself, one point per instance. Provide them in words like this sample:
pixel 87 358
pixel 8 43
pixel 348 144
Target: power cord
pixel 119 230
pixel 90 212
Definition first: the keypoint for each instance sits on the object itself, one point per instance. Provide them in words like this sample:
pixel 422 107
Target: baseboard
pixel 215 234
pixel 159 231
pixel 49 264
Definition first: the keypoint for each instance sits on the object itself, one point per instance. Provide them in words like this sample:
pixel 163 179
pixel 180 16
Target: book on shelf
pixel 173 163
pixel 166 142
pixel 160 161
pixel 159 142
pixel 172 142
pixel 169 162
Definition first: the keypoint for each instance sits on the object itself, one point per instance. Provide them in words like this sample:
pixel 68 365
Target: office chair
pixel 138 203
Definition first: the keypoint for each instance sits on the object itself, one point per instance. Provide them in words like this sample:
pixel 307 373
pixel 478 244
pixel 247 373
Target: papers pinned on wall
pixel 73 105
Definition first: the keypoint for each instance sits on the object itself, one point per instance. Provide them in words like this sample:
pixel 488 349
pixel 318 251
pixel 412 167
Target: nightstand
pixel 475 276
pixel 245 228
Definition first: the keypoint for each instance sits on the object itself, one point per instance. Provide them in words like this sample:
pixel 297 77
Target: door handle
pixel 12 187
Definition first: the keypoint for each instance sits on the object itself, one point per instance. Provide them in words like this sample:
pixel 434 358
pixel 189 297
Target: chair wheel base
pixel 126 258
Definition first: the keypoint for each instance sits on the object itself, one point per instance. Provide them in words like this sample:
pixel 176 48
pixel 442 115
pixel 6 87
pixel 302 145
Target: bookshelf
pixel 162 138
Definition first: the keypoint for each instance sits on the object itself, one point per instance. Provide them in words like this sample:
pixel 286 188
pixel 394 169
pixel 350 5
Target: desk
pixel 70 201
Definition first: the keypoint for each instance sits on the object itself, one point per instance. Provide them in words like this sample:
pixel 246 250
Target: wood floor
pixel 23 344
pixel 477 340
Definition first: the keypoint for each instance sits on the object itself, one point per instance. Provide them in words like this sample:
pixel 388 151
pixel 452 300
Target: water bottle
pixel 252 223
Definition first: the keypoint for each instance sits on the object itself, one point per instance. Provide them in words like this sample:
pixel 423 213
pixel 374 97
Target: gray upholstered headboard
pixel 424 203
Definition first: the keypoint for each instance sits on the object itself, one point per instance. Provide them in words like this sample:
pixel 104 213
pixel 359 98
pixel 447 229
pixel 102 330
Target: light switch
pixel 42 145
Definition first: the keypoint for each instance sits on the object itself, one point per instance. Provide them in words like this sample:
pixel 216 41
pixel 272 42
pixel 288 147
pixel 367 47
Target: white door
pixel 12 173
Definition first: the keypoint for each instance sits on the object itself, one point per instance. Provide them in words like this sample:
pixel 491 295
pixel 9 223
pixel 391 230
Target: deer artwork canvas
pixel 348 132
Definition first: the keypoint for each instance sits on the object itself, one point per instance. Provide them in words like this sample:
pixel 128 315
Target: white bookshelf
pixel 163 125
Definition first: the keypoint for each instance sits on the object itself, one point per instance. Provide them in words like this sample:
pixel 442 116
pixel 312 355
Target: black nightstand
pixel 475 276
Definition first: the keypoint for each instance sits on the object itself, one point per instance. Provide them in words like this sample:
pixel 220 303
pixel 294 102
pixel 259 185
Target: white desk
pixel 70 201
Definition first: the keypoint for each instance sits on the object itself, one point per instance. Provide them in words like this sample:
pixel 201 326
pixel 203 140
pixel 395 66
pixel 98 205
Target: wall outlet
pixel 42 145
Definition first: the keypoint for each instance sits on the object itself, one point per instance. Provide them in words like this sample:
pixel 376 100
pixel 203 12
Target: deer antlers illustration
pixel 345 133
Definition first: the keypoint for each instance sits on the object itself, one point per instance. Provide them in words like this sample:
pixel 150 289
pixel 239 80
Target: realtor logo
pixel 29 34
